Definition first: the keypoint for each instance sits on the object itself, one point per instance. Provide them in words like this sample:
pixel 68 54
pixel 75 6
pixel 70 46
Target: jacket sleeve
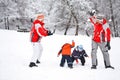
pixel 108 33
pixel 104 21
pixel 73 44
pixel 84 52
pixel 60 52
pixel 37 26
pixel 43 31
pixel 107 30
pixel 92 19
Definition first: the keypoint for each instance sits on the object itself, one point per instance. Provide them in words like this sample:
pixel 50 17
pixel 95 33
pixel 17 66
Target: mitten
pixel 91 13
pixel 108 45
pixel 50 33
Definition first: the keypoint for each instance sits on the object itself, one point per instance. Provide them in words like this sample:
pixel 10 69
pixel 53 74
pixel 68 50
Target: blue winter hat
pixel 80 47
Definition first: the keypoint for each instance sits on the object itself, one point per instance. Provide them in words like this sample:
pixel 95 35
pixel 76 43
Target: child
pixel 66 54
pixel 79 53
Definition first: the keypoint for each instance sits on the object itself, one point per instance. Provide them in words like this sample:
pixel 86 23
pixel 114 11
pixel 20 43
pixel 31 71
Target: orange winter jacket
pixel 66 49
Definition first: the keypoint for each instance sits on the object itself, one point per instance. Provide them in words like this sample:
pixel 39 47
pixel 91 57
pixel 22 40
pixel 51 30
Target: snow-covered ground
pixel 16 52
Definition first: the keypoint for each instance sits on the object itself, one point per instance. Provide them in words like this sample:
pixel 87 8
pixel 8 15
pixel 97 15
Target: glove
pixel 50 33
pixel 91 13
pixel 108 45
pixel 73 41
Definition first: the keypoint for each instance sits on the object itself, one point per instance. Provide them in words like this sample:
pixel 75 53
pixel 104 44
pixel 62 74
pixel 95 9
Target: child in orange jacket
pixel 66 54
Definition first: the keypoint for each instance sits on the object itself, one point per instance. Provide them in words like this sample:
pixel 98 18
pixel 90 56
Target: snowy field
pixel 16 52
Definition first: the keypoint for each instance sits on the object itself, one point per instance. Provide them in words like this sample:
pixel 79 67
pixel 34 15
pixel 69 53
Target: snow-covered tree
pixel 7 9
pixel 62 15
pixel 66 14
pixel 111 9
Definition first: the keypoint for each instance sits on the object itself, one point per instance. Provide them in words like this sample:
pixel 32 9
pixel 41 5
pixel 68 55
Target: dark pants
pixel 69 60
pixel 82 59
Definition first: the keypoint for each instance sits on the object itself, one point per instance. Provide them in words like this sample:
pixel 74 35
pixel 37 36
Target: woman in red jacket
pixel 37 32
pixel 101 38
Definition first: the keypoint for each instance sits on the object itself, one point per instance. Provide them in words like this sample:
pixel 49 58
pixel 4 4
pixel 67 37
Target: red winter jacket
pixel 35 36
pixel 101 31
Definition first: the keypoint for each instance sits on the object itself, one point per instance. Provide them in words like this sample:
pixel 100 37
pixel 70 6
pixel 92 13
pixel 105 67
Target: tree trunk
pixel 68 24
pixel 7 23
pixel 112 18
pixel 74 16
pixel 76 20
pixel 117 32
pixel 77 26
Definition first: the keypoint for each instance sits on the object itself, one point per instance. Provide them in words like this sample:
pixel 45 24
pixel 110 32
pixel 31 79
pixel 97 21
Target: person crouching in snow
pixel 79 53
pixel 37 32
pixel 66 54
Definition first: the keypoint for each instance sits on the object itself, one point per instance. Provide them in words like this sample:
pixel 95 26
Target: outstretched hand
pixel 49 33
pixel 92 13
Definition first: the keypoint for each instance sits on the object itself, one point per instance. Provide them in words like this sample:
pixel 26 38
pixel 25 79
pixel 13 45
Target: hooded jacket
pixel 66 49
pixel 37 33
pixel 101 30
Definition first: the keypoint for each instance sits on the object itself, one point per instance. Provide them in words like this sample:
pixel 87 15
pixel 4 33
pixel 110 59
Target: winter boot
pixel 109 67
pixel 83 64
pixel 38 62
pixel 70 67
pixel 61 66
pixel 32 64
pixel 93 67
